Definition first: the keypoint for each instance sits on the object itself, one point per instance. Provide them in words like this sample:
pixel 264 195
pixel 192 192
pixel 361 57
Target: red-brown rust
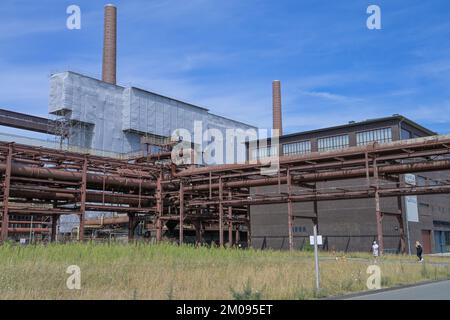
pixel 93 180
pixel 28 230
pixel 328 176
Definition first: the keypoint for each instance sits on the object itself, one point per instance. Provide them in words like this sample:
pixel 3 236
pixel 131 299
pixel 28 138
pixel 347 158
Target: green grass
pixel 142 271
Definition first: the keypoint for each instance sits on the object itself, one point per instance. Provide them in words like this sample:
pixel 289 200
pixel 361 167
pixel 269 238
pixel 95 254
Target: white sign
pixel 319 240
pixel 23 241
pixel 412 210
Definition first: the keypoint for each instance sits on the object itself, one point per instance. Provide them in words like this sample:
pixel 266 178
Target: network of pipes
pixel 49 183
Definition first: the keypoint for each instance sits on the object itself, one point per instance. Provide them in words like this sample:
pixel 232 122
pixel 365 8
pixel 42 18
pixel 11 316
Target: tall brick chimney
pixel 276 95
pixel 110 44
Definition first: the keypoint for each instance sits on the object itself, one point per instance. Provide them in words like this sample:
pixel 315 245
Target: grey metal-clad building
pixel 108 117
pixel 350 225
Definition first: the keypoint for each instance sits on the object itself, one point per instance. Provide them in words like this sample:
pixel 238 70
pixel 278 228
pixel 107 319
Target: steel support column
pixel 290 211
pixel 230 223
pixel 131 225
pixel 379 214
pixel 401 218
pixel 6 190
pixel 159 207
pixel 316 210
pixel 181 223
pixel 220 212
pixel 249 228
pixel 198 232
pixel 54 228
pixel 83 199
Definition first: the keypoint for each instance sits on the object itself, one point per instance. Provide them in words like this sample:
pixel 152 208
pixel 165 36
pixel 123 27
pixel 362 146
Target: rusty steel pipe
pixel 96 197
pixel 331 196
pixel 93 180
pixel 352 151
pixel 27 230
pixel 107 221
pixel 326 176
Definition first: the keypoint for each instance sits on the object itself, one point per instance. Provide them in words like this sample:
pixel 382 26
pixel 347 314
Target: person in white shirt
pixel 375 250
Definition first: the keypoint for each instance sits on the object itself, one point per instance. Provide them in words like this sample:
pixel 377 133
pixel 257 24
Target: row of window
pixel 335 142
pixel 383 135
pixel 424 181
pixel 297 147
pixel 264 152
pixel 298 229
pixel 434 208
pixel 379 135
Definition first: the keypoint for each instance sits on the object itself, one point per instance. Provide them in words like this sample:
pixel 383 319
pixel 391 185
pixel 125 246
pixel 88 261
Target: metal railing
pixel 5 137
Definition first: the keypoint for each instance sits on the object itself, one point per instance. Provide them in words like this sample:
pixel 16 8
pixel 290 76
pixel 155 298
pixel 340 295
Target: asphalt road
pixel 430 291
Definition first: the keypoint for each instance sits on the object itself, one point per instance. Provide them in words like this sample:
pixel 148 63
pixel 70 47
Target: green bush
pixel 247 293
pixel 424 271
pixel 386 281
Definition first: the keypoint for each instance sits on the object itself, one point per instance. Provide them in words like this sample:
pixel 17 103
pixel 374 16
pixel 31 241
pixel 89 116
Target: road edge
pixel 369 292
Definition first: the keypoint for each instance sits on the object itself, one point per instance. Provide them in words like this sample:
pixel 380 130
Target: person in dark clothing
pixel 419 251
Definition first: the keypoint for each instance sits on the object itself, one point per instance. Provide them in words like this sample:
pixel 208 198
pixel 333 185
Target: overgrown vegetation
pixel 142 271
pixel 247 293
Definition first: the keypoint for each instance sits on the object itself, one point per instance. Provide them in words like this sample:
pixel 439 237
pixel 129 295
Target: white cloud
pixel 18 28
pixel 330 96
pixel 431 113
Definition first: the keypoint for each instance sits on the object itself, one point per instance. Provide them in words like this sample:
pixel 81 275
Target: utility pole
pixel 31 230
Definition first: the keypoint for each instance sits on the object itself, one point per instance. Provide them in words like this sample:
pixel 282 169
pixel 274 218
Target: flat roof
pixel 362 123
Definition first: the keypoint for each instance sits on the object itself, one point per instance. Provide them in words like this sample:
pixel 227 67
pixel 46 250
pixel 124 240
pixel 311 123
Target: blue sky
pixel 223 55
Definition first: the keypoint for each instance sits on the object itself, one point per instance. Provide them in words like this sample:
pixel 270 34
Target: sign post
pixel 316 239
pixel 412 210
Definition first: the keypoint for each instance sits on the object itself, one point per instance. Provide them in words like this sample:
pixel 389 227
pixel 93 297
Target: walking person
pixel 375 250
pixel 419 251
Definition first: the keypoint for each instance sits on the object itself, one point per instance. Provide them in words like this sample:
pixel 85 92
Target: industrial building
pixel 351 224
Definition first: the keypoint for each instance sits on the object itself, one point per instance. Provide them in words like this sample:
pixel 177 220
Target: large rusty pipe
pixel 28 230
pixel 93 180
pixel 96 197
pixel 323 155
pixel 331 175
pixel 330 196
pixel 107 221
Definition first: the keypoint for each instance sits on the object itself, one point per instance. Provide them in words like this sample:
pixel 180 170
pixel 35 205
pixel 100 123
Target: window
pixel 421 181
pixel 335 142
pixel 297 147
pixel 433 182
pixel 264 152
pixel 298 229
pixel 378 135
pixel 405 134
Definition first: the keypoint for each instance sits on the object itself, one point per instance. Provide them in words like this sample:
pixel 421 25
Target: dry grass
pixel 139 271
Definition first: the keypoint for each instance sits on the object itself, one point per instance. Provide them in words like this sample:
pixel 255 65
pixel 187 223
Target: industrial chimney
pixel 276 95
pixel 109 44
